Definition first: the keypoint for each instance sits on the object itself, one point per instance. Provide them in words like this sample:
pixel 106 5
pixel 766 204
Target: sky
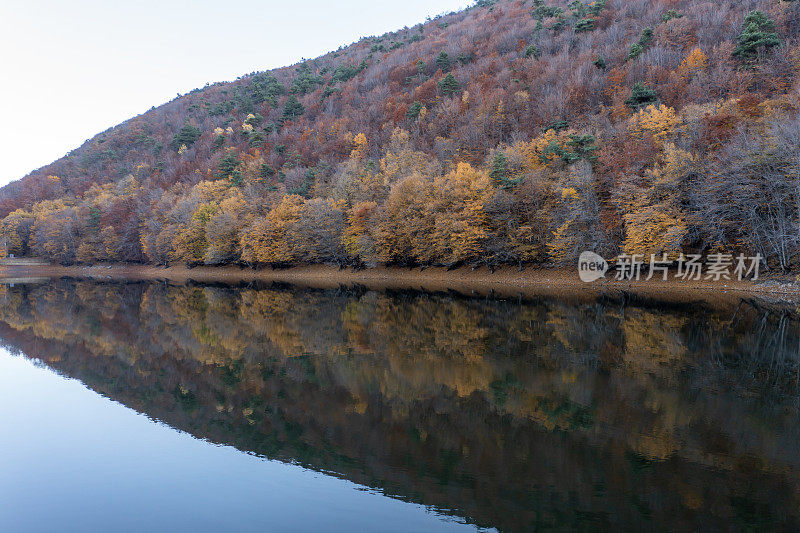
pixel 73 69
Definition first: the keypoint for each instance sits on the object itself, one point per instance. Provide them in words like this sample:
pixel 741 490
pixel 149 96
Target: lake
pixel 140 406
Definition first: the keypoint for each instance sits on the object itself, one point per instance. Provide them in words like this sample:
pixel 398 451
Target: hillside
pixel 512 132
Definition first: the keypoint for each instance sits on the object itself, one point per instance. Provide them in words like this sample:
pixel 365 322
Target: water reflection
pixel 511 414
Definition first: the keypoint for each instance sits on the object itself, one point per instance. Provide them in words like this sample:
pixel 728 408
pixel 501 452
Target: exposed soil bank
pixel 506 281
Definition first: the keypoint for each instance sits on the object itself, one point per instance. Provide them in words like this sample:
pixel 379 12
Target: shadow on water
pixel 511 413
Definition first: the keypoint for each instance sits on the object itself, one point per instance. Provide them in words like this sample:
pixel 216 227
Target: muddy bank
pixel 505 282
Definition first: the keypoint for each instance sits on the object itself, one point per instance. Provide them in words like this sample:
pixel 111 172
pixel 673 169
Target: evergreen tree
pixel 757 36
pixel 187 136
pixel 443 62
pixel 293 108
pixel 449 86
pixel 228 165
pixel 305 82
pixel 532 51
pixel 499 173
pixel 641 95
pixel 583 147
pixel 584 25
pixel 600 63
pixel 644 41
pixel 414 111
pixel 542 11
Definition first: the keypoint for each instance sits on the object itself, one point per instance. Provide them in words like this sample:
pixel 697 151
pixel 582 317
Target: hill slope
pixel 510 132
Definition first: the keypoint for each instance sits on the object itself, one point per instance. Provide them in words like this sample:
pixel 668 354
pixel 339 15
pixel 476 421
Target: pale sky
pixel 71 69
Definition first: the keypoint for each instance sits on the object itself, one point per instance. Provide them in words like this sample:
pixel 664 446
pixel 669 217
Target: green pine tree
pixel 449 86
pixel 757 36
pixel 584 25
pixel 228 165
pixel 443 62
pixel 414 110
pixel 641 96
pixel 293 108
pixel 533 51
pixel 499 173
pixel 188 135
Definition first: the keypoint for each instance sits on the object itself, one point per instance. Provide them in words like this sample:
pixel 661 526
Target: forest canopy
pixel 511 132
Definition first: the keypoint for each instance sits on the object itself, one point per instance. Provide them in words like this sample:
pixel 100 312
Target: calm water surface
pixel 145 406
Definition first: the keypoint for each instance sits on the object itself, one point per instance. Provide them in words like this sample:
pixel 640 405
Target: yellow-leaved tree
pixel 659 121
pixel 265 241
pixel 404 235
pixel 693 63
pixel 656 220
pixel 360 237
pixel 15 232
pixel 457 212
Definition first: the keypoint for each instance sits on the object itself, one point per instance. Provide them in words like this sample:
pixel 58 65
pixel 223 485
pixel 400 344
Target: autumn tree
pixel 266 240
pixel 659 210
pixel 361 234
pixel 659 121
pixel 15 232
pixel 316 235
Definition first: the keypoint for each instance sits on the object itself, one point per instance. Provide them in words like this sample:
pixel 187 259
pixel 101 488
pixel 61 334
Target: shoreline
pixel 505 281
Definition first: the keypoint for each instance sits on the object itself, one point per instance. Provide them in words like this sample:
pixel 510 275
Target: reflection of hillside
pixel 511 414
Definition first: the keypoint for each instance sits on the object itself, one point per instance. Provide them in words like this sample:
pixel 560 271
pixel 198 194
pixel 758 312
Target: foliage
pixel 443 62
pixel 758 35
pixel 305 81
pixel 187 136
pixel 292 109
pixel 575 148
pixel 532 51
pixel 660 121
pixel 449 86
pixel 641 96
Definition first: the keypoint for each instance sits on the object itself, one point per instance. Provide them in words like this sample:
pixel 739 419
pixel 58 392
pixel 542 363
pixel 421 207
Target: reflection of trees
pixel 510 413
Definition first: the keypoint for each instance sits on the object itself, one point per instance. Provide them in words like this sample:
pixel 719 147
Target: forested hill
pixel 513 131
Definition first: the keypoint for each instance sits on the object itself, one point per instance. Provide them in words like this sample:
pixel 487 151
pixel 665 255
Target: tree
pixel 360 236
pixel 641 96
pixel 694 62
pixel 190 242
pixel 758 35
pixel 449 86
pixel 305 81
pixel 659 208
pixel 415 110
pixel 584 25
pixel 443 62
pixel 499 173
pixel 266 240
pixel 532 51
pixel 316 235
pixel 54 234
pixel 751 202
pixel 600 63
pixel 404 235
pixel 644 41
pixel 187 136
pixel 228 165
pixel 222 230
pixel 292 109
pixel 576 216
pixel 660 121
pixel 15 232
pixel 458 217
